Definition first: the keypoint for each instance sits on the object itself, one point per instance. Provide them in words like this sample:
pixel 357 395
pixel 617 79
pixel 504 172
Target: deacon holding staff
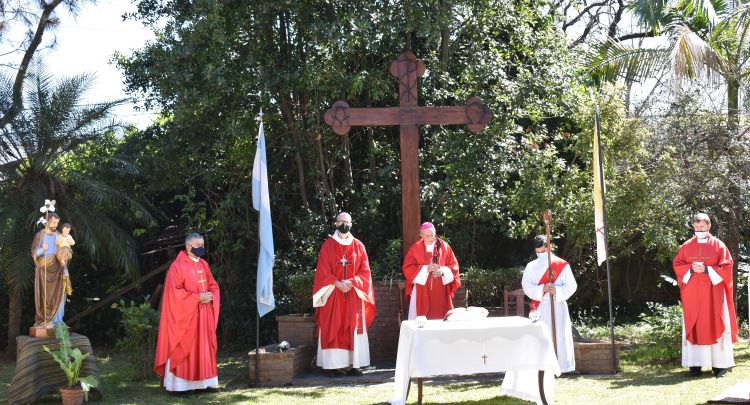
pixel 538 287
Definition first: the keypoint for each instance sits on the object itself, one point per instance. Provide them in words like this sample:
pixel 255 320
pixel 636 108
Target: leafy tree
pixel 705 39
pixel 39 162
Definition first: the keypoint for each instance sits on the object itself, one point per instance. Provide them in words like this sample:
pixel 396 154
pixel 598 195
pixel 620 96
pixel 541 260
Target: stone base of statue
pixel 37 374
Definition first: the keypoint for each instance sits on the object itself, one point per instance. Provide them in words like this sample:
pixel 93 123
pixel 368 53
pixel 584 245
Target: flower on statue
pixel 41 220
pixel 49 206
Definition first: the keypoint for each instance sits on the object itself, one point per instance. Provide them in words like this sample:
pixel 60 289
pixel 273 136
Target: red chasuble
pixel 187 329
pixel 558 265
pixel 433 299
pixel 342 313
pixel 703 302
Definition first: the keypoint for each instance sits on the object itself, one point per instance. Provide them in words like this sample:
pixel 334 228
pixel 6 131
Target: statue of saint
pixel 49 279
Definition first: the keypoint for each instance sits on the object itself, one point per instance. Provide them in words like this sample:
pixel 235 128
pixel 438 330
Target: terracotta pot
pixel 71 396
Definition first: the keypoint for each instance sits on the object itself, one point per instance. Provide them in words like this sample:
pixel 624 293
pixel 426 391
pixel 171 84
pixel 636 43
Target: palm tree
pixel 704 40
pixel 38 152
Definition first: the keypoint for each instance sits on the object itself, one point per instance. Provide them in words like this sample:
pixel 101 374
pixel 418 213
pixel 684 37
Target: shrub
pixel 140 325
pixel 486 286
pixel 300 286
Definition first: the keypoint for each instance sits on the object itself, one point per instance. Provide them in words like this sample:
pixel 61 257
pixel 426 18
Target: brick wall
pixel 596 357
pixel 298 330
pixel 279 369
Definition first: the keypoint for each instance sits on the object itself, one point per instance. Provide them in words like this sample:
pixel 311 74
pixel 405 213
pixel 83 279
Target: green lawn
pixel 637 384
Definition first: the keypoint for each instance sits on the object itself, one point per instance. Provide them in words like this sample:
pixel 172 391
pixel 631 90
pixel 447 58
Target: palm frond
pixel 692 57
pixel 612 60
pixel 650 14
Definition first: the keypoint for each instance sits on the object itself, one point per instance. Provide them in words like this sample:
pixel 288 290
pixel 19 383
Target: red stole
pixel 558 265
pixel 342 314
pixel 703 302
pixel 433 299
pixel 187 329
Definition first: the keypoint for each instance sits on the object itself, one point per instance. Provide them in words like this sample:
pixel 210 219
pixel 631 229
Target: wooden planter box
pixel 298 330
pixel 596 357
pixel 279 369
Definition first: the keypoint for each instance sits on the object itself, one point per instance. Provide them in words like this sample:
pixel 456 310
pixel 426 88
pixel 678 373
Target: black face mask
pixel 343 228
pixel 198 251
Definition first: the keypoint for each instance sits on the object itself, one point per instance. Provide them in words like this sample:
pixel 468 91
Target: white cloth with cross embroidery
pixel 512 344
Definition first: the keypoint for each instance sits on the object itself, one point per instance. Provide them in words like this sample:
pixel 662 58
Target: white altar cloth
pixel 511 344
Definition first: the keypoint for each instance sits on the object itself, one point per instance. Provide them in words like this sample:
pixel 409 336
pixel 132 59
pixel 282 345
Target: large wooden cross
pixel 406 68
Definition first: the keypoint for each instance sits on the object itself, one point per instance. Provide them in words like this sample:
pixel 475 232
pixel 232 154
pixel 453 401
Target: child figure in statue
pixel 65 253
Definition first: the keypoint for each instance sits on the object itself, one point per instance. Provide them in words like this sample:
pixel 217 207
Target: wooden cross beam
pixel 407 69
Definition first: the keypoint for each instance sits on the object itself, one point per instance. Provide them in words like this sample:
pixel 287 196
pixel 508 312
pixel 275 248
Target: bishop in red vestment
pixel 186 347
pixel 344 301
pixel 703 267
pixel 431 272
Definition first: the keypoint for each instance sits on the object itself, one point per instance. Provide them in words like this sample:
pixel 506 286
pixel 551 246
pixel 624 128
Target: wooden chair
pixel 518 298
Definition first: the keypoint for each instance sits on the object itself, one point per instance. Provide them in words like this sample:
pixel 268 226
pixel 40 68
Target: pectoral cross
pixel 408 115
pixel 343 263
pixel 203 284
pixel 484 359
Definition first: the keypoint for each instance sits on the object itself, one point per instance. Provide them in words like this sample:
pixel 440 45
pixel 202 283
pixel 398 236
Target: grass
pixel 640 382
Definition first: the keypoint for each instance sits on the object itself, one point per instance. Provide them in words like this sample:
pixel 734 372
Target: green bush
pixel 140 324
pixel 486 286
pixel 388 268
pixel 654 339
pixel 300 287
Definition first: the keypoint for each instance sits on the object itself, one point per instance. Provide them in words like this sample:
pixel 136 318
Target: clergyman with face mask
pixel 537 286
pixel 186 346
pixel 344 301
pixel 703 267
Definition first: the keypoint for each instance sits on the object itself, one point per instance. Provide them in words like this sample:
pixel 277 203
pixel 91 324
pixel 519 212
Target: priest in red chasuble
pixel 344 301
pixel 703 266
pixel 186 347
pixel 537 286
pixel 431 272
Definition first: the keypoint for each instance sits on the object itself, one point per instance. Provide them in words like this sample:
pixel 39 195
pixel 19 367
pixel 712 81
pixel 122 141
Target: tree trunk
pixel 14 320
pixel 445 34
pixel 287 113
pixel 326 192
pixel 348 161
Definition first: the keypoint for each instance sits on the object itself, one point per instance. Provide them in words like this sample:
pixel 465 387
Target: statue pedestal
pixel 41 332
pixel 37 374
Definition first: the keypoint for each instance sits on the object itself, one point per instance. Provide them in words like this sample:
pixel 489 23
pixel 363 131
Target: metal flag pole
pixel 257 310
pixel 606 241
pixel 547 220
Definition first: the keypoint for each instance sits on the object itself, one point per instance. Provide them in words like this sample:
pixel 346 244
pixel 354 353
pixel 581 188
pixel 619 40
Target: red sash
pixel 557 268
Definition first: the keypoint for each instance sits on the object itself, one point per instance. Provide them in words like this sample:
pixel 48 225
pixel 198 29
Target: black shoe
pixel 720 372
pixel 336 372
pixel 695 371
pixel 180 394
pixel 209 390
pixel 355 372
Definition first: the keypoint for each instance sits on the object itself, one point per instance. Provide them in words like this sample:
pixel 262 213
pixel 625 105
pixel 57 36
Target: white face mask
pixel 542 256
pixel 701 234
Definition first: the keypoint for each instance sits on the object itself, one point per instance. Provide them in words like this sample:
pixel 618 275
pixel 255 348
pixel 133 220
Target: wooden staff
pixel 547 220
pixel 44 259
